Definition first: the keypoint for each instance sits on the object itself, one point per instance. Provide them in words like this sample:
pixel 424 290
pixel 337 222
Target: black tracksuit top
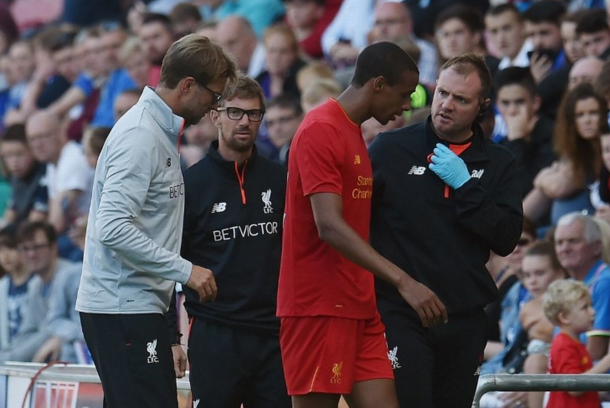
pixel 233 226
pixel 443 242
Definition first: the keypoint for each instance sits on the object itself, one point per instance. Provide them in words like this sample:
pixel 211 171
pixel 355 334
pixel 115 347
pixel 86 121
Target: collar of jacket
pixel 162 113
pixel 476 152
pixel 225 164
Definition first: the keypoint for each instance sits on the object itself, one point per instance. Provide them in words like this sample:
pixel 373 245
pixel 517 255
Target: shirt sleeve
pixel 74 172
pixel 318 159
pixel 85 83
pixel 497 215
pixel 601 304
pixel 567 360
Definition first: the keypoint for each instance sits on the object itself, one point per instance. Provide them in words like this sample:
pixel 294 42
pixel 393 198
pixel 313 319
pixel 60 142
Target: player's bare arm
pixel 332 229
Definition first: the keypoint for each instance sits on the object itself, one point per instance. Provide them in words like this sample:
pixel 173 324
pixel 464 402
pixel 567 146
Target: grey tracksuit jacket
pixel 132 260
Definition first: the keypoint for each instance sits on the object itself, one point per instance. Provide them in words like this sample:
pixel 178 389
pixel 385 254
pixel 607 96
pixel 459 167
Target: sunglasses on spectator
pixel 524 241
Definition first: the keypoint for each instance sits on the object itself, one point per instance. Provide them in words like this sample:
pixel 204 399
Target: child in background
pixel 540 267
pixel 13 287
pixel 567 304
pixel 93 141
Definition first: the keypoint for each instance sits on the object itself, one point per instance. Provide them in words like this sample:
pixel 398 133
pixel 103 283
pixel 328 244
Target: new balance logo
pixel 477 173
pixel 219 207
pixel 417 170
pixel 477 372
pixel 152 352
pixel 357 159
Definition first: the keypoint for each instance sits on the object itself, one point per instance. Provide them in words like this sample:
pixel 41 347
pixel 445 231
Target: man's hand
pixel 342 52
pixel 540 66
pixel 202 280
pixel 449 167
pixel 520 126
pixel 49 351
pixel 428 306
pixel 179 360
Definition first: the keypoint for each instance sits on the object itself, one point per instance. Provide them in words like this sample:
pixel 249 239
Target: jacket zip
pixel 240 179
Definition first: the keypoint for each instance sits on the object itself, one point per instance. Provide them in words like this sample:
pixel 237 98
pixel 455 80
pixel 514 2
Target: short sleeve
pixel 318 157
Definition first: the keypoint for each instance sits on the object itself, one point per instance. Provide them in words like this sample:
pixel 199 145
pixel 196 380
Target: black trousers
pixel 435 367
pixel 230 367
pixel 133 357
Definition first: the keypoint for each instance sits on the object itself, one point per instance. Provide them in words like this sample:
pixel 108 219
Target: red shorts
pixel 328 355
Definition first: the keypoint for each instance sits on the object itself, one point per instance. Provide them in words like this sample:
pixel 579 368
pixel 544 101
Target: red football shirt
pixel 327 155
pixel 569 356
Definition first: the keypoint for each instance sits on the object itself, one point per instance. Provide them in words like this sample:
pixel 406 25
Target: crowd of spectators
pixel 64 83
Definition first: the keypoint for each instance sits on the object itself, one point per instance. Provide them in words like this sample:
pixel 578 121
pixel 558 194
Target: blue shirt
pixel 118 82
pixel 260 13
pixel 598 282
pixel 15 301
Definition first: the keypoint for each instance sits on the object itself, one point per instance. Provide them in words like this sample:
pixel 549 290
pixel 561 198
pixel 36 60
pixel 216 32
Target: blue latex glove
pixel 449 167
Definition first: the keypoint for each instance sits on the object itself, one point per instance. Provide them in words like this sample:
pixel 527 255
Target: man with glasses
pixel 50 324
pixel 283 117
pixel 233 225
pixel 131 260
pixel 68 175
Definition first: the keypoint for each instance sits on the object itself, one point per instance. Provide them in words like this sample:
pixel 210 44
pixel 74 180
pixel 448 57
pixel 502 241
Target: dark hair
pixel 286 101
pixel 503 8
pixel 28 229
pixel 7 237
pixel 384 59
pixel 545 11
pixel 183 12
pixel 15 133
pixel 149 18
pixel 466 14
pixel 465 64
pixel 137 92
pixel 602 83
pixel 196 56
pixel 244 87
pixel 515 76
pixel 574 16
pixel 96 137
pixel 55 39
pixel 529 227
pixel 545 248
pixel 592 21
pixel 584 155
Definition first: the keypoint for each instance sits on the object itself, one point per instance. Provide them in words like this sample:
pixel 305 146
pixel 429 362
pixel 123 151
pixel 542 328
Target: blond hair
pixel 561 297
pixel 319 89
